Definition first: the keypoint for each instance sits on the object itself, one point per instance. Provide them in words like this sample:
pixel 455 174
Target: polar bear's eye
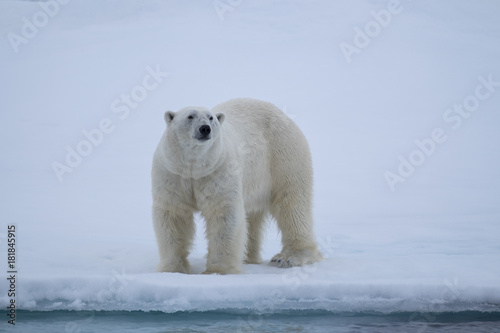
pixel 190 117
pixel 211 118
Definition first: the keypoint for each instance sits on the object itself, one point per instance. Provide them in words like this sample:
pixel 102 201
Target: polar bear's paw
pixel 253 259
pixel 295 258
pixel 222 271
pixel 178 267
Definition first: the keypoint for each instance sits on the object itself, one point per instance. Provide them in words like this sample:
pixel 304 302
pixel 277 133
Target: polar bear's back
pixel 275 153
pixel 259 117
pixel 243 112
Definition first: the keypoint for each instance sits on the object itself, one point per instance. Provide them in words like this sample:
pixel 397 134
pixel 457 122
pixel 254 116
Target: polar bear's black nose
pixel 205 130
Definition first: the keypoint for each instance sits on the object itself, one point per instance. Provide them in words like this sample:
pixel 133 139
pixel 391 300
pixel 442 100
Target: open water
pixel 296 321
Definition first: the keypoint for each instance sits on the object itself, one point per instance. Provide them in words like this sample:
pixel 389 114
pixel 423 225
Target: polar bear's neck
pixel 195 161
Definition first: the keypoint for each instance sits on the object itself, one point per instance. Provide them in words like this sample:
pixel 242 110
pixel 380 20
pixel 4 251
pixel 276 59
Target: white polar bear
pixel 235 164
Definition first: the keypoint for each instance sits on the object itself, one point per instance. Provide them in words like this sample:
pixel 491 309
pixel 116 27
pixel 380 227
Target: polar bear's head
pixel 194 125
pixel 192 145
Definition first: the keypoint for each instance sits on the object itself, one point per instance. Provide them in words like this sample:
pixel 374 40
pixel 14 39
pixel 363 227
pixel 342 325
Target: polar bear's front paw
pixel 254 259
pixel 295 258
pixel 180 267
pixel 222 270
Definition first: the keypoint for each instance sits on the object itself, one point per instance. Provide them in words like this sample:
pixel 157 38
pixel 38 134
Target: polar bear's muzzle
pixel 204 132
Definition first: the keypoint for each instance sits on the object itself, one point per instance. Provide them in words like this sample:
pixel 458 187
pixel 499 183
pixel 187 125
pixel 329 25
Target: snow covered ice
pixel 407 218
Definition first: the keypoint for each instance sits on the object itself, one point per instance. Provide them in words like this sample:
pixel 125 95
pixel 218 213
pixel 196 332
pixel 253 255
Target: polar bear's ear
pixel 169 116
pixel 220 117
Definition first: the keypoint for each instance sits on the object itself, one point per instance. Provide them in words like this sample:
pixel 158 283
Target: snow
pixel 85 240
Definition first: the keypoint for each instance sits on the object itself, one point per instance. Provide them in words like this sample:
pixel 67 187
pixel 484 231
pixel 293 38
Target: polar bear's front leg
pixel 174 231
pixel 255 228
pixel 226 233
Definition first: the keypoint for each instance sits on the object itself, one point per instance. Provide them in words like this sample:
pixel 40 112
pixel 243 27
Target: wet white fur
pixel 256 162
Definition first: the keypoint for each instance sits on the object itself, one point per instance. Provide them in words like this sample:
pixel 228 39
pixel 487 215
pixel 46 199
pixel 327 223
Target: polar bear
pixel 235 164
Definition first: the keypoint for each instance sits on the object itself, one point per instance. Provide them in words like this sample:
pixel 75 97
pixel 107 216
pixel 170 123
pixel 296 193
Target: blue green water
pixel 296 321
